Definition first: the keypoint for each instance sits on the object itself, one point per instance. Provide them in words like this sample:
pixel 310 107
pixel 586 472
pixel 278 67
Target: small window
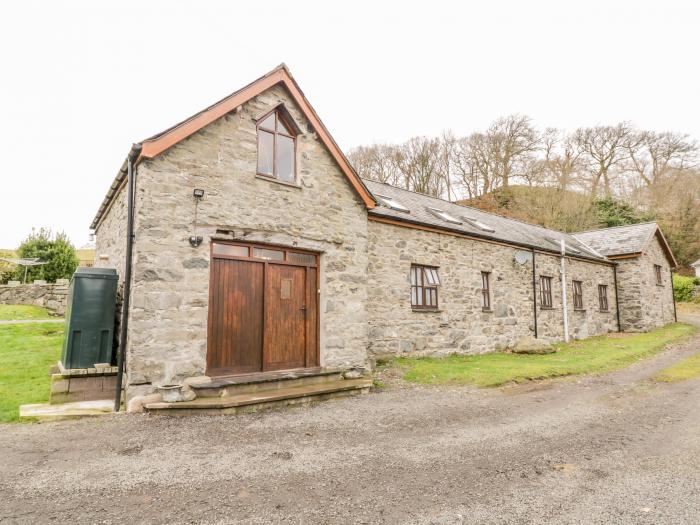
pixel 657 271
pixel 268 254
pixel 578 295
pixel 392 203
pixel 424 285
pixel 230 249
pixel 276 145
pixel 478 224
pixel 603 297
pixel 545 291
pixel 444 215
pixel 485 291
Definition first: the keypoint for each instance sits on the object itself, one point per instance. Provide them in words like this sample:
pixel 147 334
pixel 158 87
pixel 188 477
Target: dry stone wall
pixel 459 325
pixel 51 296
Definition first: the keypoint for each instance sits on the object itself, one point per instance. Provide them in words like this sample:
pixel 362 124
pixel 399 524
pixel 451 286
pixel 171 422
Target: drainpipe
pixel 534 292
pixel 563 292
pixel 130 185
pixel 673 298
pixel 617 299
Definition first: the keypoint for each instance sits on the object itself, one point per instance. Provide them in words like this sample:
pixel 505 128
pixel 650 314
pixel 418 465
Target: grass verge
pixel 595 354
pixel 26 353
pixel 687 368
pixel 20 312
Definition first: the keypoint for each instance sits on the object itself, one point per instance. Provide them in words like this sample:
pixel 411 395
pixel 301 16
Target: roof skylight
pixel 481 225
pixel 557 243
pixel 444 215
pixel 392 203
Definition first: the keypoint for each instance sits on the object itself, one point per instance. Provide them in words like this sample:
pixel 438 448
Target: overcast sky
pixel 81 81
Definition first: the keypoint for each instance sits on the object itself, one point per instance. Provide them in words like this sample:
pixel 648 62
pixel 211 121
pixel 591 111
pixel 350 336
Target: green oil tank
pixel 92 297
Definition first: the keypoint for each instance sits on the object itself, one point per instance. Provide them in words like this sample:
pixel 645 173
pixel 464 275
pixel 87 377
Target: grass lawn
pixel 17 312
pixel 26 353
pixel 688 368
pixel 596 354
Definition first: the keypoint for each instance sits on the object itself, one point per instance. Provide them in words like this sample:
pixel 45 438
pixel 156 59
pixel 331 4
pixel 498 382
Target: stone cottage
pixel 261 262
pixel 644 263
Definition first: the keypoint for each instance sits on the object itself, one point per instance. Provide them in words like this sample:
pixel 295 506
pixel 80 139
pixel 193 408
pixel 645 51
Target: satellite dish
pixel 522 257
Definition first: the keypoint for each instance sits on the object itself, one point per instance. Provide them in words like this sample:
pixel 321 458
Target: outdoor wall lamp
pixel 196 240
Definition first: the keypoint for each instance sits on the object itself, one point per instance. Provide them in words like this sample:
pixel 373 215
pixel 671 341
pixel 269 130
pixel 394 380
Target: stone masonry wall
pixel 51 296
pixel 168 319
pixel 643 303
pixel 460 325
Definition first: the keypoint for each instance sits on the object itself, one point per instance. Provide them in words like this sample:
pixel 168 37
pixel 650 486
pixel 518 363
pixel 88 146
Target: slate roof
pixel 619 240
pixel 509 231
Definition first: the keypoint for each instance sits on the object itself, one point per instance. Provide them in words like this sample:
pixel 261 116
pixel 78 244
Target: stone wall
pixel 459 325
pixel 643 303
pixel 168 318
pixel 51 296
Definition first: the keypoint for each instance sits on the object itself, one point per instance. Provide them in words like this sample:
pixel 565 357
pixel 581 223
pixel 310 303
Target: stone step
pixel 251 383
pixel 264 399
pixel 48 412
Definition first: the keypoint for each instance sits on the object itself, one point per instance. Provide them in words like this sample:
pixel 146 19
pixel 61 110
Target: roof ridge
pixel 616 227
pixel 472 208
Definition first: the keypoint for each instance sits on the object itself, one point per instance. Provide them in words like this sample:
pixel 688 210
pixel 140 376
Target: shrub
pixel 683 287
pixel 57 251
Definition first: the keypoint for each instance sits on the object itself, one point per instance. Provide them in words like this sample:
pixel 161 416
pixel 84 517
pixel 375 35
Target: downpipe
pixel 124 326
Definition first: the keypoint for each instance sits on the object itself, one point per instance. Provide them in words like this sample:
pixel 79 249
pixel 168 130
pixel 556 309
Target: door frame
pixel 311 362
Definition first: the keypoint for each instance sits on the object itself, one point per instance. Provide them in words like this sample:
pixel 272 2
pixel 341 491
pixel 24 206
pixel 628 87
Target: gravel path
pixel 616 448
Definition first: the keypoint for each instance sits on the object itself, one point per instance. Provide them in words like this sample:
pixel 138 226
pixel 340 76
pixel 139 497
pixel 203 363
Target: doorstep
pixel 252 401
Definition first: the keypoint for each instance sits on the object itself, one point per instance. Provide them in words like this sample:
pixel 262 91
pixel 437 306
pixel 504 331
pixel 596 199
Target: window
pixel 578 295
pixel 603 297
pixel 276 143
pixel 444 215
pixel 392 203
pixel 478 224
pixel 657 271
pixel 545 291
pixel 485 291
pixel 424 284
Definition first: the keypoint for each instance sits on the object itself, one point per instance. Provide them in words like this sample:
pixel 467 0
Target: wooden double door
pixel 263 309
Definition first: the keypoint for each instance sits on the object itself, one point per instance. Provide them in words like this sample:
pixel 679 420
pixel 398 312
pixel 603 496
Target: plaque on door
pixel 286 289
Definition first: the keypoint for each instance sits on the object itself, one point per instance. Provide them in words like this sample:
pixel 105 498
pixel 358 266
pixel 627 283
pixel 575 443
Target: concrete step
pixel 268 398
pixel 252 383
pixel 48 412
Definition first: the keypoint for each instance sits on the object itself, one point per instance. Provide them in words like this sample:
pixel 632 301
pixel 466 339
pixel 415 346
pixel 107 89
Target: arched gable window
pixel 276 146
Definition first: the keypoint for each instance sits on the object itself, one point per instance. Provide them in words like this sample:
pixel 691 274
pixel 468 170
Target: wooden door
pixel 285 317
pixel 263 309
pixel 236 317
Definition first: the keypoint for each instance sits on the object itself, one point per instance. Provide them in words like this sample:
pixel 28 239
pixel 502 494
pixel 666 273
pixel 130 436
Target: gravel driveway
pixel 608 449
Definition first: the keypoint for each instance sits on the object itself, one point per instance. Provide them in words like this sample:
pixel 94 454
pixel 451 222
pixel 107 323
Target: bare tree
pixel 512 142
pixel 603 148
pixel 418 161
pixel 375 162
pixel 561 159
pixel 653 155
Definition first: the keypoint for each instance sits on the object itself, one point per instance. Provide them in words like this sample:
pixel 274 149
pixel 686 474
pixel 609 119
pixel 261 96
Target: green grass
pixel 687 368
pixel 17 312
pixel 596 354
pixel 26 353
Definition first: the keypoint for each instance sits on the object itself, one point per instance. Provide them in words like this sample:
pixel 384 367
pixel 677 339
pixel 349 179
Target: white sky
pixel 81 81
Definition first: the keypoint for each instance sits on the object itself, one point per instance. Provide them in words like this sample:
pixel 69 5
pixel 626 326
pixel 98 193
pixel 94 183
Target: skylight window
pixel 557 244
pixel 478 224
pixel 392 203
pixel 444 215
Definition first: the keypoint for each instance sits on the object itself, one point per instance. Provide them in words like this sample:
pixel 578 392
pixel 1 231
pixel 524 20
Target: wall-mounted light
pixel 196 240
